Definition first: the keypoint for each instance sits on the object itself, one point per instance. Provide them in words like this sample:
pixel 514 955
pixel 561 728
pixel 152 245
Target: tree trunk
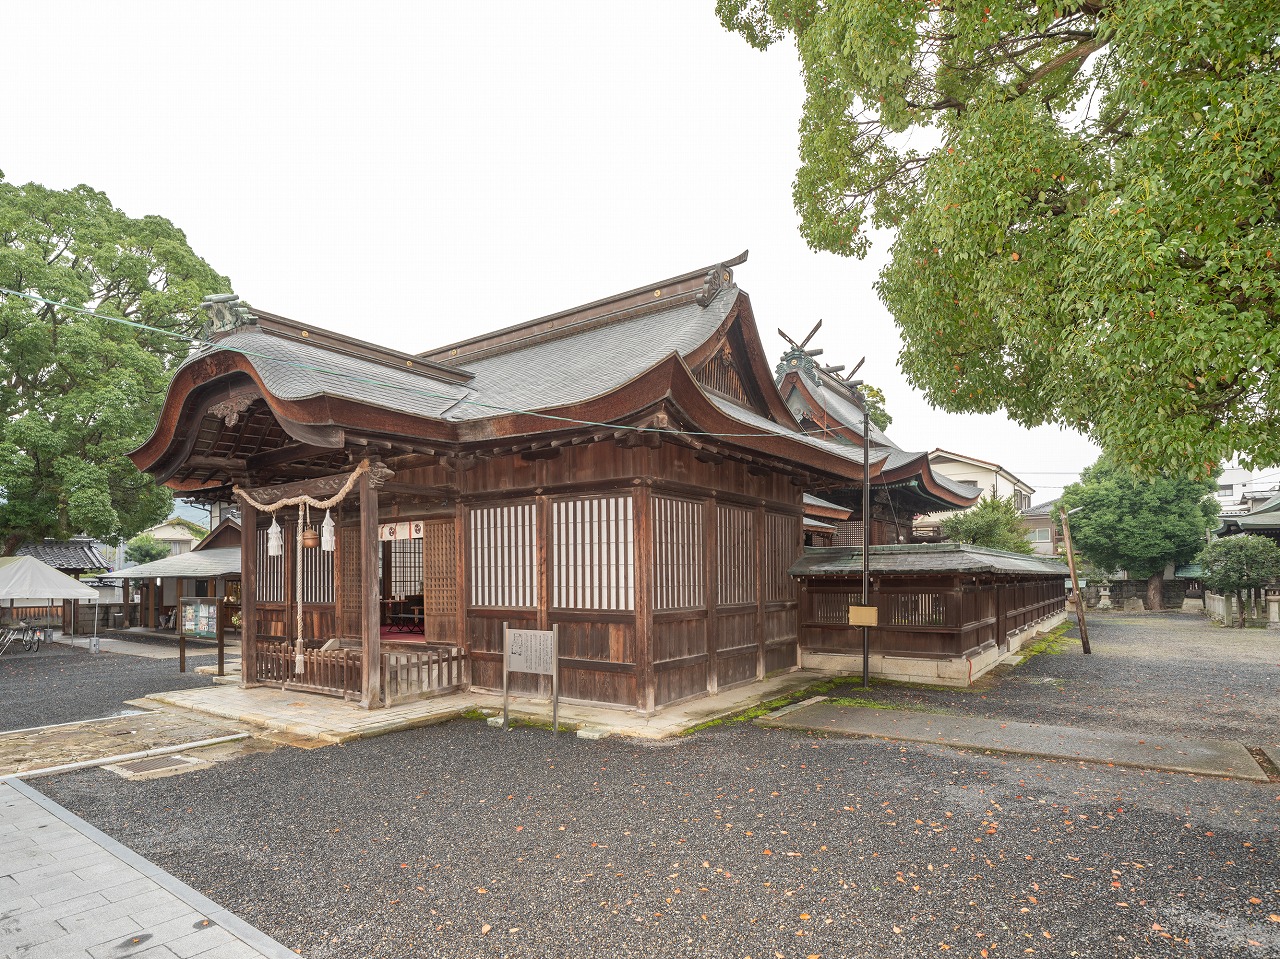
pixel 1240 603
pixel 11 544
pixel 1155 592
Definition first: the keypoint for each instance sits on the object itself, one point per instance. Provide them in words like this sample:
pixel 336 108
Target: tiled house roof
pixel 77 554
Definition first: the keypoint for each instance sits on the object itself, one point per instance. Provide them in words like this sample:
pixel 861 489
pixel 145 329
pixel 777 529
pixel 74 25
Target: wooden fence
pixel 415 674
pixel 334 672
pixel 936 619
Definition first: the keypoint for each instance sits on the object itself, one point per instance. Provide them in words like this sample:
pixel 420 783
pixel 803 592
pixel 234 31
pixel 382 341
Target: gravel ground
pixel 1172 673
pixel 460 840
pixel 61 684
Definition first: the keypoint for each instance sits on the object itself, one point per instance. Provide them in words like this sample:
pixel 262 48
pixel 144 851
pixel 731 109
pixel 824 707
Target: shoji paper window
pixel 678 581
pixel 504 552
pixel 593 553
pixel 736 545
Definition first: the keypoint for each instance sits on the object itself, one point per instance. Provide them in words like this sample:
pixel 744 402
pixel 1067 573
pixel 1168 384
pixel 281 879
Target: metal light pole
pixel 866 524
pixel 1075 583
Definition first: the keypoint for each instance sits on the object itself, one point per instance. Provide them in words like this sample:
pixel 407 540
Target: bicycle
pixel 29 636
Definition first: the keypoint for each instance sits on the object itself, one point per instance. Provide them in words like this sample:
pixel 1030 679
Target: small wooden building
pixel 946 612
pixel 625 470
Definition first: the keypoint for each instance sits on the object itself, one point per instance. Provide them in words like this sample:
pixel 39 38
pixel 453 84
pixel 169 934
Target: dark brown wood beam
pixel 286 454
pixel 321 487
pixel 226 464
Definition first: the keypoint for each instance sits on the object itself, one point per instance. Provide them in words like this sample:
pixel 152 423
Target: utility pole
pixel 866 522
pixel 1075 583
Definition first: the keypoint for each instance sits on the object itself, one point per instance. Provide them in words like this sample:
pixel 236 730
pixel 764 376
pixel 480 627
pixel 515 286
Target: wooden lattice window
pixel 269 587
pixel 832 608
pixel 439 569
pixel 678 565
pixel 352 585
pixel 406 566
pixel 317 576
pixel 593 553
pixel 917 609
pixel 848 532
pixel 720 373
pixel 781 547
pixel 736 546
pixel 504 556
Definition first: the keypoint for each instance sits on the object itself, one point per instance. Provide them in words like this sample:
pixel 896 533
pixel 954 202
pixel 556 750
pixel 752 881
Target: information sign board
pixel 534 651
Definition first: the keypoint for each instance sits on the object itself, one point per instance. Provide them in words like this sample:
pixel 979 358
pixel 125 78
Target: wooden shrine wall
pixel 666 575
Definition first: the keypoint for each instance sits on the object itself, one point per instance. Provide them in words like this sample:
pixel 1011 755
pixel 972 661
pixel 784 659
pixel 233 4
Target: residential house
pixel 1042 530
pixel 991 479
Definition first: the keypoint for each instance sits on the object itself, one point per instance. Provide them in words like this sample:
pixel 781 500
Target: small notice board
pixel 534 651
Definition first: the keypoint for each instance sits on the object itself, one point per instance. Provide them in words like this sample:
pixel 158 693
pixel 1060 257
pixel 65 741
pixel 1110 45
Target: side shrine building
pixel 626 471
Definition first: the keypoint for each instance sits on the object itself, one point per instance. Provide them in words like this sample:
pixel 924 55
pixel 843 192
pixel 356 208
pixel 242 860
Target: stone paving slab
pixel 327 719
pixel 76 893
pixel 1201 757
pixel 25 750
pixel 113 644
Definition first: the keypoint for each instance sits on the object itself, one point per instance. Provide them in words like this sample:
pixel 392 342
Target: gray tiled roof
pixel 292 370
pixel 811 500
pixel 1040 509
pixel 572 367
pixel 961 487
pixel 197 564
pixel 922 558
pixel 754 423
pixel 846 411
pixel 80 554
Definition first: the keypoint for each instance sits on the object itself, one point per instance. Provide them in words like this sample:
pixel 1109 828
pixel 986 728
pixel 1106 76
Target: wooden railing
pixel 335 672
pixel 415 674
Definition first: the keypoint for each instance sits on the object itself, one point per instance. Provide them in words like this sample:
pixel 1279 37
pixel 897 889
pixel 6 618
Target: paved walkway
pixel 1230 760
pixel 328 720
pixel 153 650
pixel 28 750
pixel 67 891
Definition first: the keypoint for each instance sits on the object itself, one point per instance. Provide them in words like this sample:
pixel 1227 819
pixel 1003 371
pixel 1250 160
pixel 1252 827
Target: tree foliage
pixel 994 522
pixel 1239 563
pixel 76 392
pixel 145 548
pixel 1139 525
pixel 1085 203
pixel 877 412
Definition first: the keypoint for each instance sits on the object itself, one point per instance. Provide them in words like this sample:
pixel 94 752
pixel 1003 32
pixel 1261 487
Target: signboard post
pixel 531 651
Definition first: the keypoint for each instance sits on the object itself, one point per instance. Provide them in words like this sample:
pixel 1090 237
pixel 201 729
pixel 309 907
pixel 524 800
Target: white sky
pixel 415 173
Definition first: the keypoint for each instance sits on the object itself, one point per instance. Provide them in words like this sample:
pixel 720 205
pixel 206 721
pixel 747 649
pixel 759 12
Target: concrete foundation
pixel 954 671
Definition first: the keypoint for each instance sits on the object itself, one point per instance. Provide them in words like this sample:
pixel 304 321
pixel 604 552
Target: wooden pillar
pixel 124 598
pixel 711 585
pixel 644 599
pixel 371 620
pixel 248 595
pixel 461 563
pixel 542 513
pixel 760 577
pixel 1002 607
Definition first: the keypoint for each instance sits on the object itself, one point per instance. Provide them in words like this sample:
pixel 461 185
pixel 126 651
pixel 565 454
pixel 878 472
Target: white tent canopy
pixel 26 578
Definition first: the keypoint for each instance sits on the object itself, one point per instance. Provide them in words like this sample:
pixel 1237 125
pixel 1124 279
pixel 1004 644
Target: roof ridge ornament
pixel 226 313
pixel 717 277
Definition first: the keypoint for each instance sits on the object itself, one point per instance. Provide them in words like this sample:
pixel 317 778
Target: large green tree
pixel 78 392
pixel 1139 525
pixel 1085 204
pixel 995 523
pixel 1239 563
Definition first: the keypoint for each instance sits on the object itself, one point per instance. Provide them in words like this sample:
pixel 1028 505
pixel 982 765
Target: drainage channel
pixel 123 758
pixel 124 713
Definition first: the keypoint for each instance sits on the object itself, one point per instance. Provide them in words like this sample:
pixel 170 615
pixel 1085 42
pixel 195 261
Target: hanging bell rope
pixel 304 503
